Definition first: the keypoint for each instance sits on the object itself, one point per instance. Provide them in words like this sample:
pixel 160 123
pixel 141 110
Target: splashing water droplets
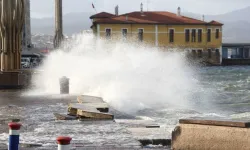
pixel 127 75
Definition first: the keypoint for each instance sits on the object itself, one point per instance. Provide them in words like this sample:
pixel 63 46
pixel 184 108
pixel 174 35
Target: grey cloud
pixel 46 7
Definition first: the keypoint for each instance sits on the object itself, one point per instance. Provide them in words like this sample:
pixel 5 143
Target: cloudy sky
pixel 45 8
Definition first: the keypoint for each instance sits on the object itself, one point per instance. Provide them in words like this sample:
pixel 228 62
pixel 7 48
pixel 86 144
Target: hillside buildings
pixel 163 29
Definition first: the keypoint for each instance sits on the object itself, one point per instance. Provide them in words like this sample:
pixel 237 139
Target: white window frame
pixel 124 28
pixel 142 32
pixel 185 34
pixel 199 29
pixel 211 50
pixel 169 34
pixel 198 34
pixel 110 31
pixel 191 33
pixel 98 31
pixel 201 51
pixel 219 32
pixel 197 49
pixel 171 29
pixel 156 35
pixel 210 34
pixel 122 31
pixel 139 29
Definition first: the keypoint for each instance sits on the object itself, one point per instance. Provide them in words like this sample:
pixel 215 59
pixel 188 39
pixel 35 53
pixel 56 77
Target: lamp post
pixel 58 24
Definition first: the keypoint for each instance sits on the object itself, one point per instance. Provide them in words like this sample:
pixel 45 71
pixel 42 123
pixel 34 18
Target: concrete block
pixel 135 123
pixel 12 80
pixel 88 111
pixel 94 101
pixel 218 122
pixel 72 108
pixel 154 136
pixel 102 107
pixel 211 135
pixel 94 115
pixel 99 107
pixel 89 99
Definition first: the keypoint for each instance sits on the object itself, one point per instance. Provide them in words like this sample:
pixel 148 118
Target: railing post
pixel 14 135
pixel 63 143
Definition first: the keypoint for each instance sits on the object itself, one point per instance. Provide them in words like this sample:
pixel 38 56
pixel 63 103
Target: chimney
pixel 141 8
pixel 203 17
pixel 117 10
pixel 179 11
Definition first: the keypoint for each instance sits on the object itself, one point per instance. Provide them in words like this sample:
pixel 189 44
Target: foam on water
pixel 129 76
pixel 241 115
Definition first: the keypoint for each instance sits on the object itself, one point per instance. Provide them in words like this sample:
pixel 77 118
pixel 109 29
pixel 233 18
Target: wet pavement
pixel 40 127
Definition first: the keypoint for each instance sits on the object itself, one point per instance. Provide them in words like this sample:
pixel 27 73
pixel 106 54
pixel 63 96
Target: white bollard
pixel 64 85
pixel 63 142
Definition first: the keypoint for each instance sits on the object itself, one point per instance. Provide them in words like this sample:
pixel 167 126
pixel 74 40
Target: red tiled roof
pixel 102 15
pixel 215 23
pixel 151 17
pixel 44 51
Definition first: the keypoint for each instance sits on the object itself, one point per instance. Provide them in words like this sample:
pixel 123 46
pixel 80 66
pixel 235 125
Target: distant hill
pixel 236 24
pixel 234 16
pixel 73 23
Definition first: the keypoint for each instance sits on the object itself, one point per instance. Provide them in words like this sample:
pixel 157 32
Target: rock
pixel 154 136
pixel 64 117
pixel 89 99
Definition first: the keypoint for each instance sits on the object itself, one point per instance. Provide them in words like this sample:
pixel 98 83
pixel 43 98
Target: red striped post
pixel 14 135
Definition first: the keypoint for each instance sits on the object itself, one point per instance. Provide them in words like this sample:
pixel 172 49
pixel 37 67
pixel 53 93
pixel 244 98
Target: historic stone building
pixel 164 30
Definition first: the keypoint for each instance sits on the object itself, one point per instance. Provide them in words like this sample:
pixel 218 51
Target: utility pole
pixel 58 24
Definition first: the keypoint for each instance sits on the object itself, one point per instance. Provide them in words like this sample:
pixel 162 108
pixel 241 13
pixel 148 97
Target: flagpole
pixel 94 7
pixel 147 4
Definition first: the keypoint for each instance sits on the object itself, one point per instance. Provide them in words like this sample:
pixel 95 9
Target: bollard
pixel 14 135
pixel 63 142
pixel 64 85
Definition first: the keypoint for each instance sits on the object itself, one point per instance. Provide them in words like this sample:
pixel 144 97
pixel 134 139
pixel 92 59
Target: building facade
pixel 165 30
